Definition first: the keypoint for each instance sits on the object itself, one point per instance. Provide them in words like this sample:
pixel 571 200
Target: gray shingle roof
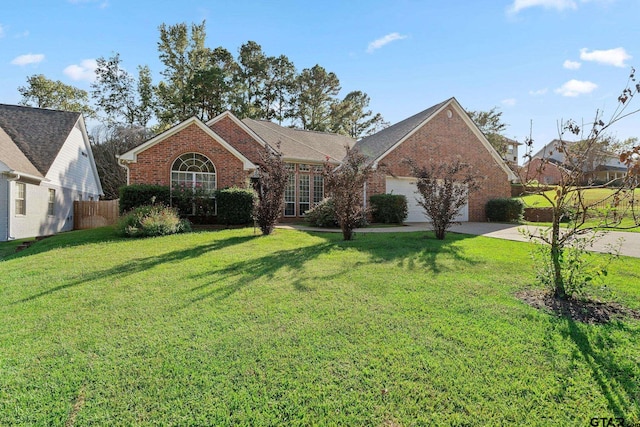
pixel 377 144
pixel 38 133
pixel 304 145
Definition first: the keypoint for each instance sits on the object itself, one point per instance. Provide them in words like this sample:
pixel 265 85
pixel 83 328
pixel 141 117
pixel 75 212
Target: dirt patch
pixel 586 311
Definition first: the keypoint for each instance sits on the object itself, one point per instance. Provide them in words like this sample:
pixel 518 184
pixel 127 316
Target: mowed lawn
pixel 228 328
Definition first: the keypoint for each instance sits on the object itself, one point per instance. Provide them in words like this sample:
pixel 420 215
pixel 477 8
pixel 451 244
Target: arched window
pixel 193 171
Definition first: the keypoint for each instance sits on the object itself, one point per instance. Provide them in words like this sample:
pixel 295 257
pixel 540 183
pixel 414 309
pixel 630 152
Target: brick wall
pixel 154 164
pixel 239 138
pixel 445 139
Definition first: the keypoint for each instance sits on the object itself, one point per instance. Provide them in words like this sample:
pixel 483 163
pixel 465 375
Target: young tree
pixel 569 202
pixel 44 93
pixel 272 178
pixel 442 190
pixel 346 185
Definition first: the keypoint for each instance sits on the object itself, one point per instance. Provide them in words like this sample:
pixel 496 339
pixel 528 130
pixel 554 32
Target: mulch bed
pixel 586 311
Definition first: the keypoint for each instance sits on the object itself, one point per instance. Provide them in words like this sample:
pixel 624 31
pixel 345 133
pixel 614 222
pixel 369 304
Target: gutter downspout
pixel 124 164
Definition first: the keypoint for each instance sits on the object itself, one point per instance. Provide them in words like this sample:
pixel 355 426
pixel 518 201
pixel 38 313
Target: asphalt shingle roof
pixel 38 133
pixel 297 144
pixel 377 144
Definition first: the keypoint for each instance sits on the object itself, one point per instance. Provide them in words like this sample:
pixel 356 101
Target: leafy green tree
pixel 44 93
pixel 210 89
pixel 182 51
pixel 249 81
pixel 125 101
pixel 279 86
pixel 314 95
pixel 352 117
pixel 491 124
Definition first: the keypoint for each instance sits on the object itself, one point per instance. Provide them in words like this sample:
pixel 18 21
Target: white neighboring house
pixel 46 164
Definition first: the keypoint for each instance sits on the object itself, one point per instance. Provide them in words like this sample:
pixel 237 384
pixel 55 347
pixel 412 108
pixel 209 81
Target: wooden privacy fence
pixel 93 214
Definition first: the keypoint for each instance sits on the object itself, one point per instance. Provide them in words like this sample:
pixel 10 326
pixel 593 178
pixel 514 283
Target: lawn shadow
pixel 416 250
pixel 617 382
pixel 136 265
pixel 243 273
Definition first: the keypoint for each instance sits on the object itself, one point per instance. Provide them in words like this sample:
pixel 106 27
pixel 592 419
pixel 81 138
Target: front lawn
pixel 228 328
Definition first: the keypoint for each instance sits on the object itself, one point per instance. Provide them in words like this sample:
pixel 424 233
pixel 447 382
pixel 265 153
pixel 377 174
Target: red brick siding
pixel 154 164
pixel 445 139
pixel 239 138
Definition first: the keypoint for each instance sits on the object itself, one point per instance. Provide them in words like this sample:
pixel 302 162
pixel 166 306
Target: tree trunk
pixel 347 233
pixel 556 253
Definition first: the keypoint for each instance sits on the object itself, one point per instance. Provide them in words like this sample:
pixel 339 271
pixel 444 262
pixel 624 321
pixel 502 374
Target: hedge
pixel 389 208
pixel 133 196
pixel 504 210
pixel 235 205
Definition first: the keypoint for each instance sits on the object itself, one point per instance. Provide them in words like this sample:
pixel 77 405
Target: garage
pixel 407 187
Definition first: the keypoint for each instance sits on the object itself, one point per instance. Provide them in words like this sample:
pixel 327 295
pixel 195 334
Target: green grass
pixel 592 195
pixel 228 328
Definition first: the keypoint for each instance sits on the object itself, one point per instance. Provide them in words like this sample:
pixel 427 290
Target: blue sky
pixel 538 61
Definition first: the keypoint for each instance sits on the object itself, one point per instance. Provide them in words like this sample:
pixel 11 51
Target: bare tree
pixel 270 182
pixel 346 185
pixel 443 190
pixel 569 201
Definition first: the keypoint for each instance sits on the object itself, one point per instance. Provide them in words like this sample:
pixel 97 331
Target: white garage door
pixel 407 187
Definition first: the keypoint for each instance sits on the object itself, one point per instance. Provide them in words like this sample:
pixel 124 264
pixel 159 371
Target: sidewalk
pixel 630 245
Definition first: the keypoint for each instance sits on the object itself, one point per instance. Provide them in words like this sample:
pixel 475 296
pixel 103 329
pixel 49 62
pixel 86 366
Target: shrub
pixel 152 220
pixel 133 196
pixel 322 215
pixel 504 210
pixel 235 205
pixel 389 208
pixel 196 203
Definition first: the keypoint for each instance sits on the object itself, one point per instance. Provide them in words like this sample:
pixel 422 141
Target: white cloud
pixel 571 65
pixel 559 5
pixel 576 87
pixel 509 102
pixel 615 57
pixel 27 59
pixel 377 44
pixel 85 71
pixel 538 92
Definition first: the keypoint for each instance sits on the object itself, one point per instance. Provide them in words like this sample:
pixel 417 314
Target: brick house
pixel 224 152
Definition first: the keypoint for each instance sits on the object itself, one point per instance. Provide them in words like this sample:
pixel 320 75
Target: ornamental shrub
pixel 235 205
pixel 151 220
pixel 504 210
pixel 322 215
pixel 133 196
pixel 389 208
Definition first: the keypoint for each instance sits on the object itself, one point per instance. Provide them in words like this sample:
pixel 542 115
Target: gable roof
pixel 132 155
pixel 37 133
pixel 301 145
pixel 378 145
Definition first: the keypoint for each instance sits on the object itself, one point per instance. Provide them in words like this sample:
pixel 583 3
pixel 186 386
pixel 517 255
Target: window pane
pixel 318 189
pixel 52 202
pixel 290 196
pixel 21 198
pixel 303 193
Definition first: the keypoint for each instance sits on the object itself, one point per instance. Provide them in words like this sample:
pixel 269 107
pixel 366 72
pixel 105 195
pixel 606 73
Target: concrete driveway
pixel 630 241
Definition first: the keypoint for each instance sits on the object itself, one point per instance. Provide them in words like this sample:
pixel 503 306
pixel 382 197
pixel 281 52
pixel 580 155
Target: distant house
pixel 46 164
pixel 225 151
pixel 549 164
